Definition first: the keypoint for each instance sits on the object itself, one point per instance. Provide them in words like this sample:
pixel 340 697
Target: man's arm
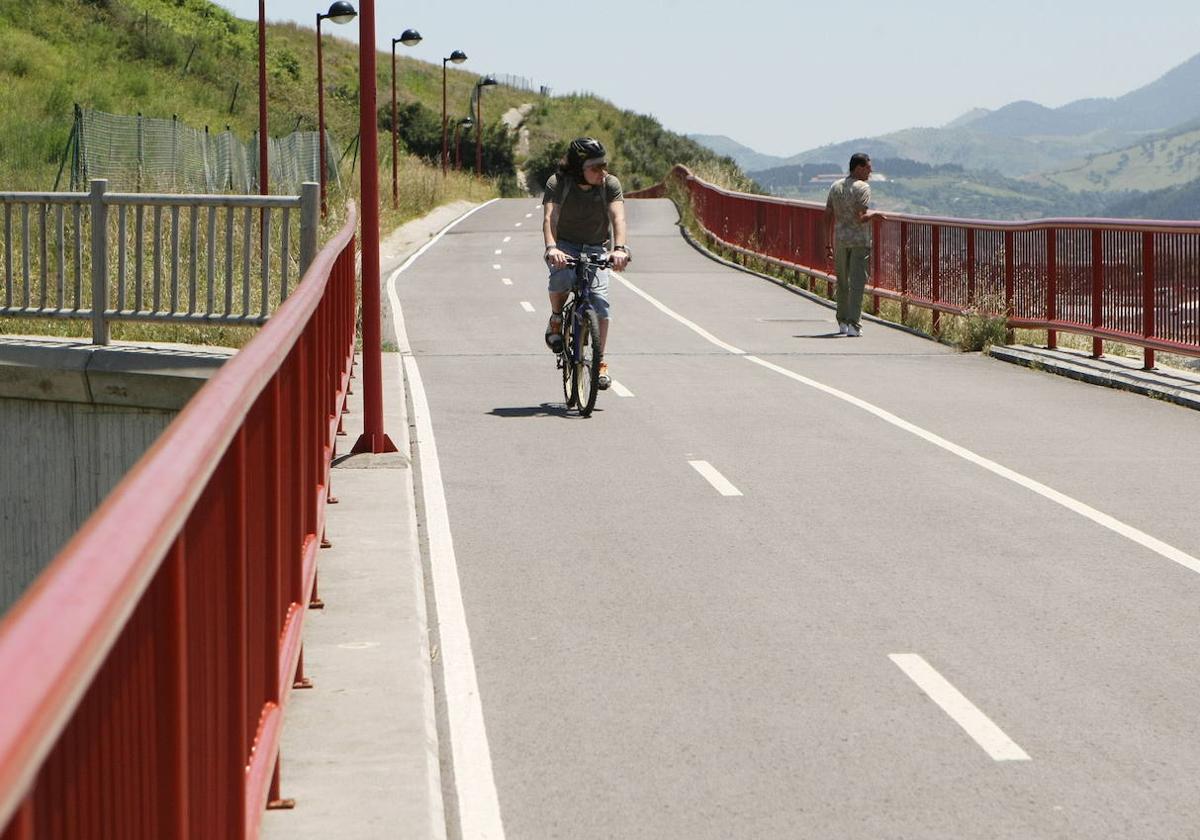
pixel 830 220
pixel 554 256
pixel 616 213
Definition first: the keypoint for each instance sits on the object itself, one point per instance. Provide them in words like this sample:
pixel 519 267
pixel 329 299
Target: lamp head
pixel 410 37
pixel 340 12
pixel 458 57
pixel 487 81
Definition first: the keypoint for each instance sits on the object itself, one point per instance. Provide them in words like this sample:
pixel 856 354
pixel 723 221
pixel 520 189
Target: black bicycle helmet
pixel 583 150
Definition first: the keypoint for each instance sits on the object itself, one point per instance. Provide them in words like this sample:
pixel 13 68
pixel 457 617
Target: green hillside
pixel 1155 164
pixel 193 59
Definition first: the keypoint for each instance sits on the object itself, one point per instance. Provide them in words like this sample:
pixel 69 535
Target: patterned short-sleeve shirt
pixel 847 197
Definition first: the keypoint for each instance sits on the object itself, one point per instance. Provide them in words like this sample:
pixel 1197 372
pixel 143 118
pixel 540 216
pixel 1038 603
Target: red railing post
pixel 1051 287
pixel 935 268
pixel 970 267
pixel 175 721
pixel 1097 290
pixel 1148 297
pixel 904 272
pixel 1009 248
pixel 876 260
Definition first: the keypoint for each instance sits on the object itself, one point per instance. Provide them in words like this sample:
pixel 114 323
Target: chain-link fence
pixel 148 154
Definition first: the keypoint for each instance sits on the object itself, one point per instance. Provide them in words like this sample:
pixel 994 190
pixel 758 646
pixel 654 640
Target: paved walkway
pixel 361 748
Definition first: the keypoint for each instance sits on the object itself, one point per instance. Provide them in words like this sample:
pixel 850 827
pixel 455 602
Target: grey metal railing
pixel 101 256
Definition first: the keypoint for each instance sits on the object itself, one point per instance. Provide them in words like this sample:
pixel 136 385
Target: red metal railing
pixel 145 671
pixel 1136 282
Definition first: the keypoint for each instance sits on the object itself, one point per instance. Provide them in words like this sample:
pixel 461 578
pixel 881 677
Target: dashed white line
pixel 1143 539
pixel 718 481
pixel 507 239
pixel 496 266
pixel 963 712
pixel 498 252
pixel 518 224
pixel 507 281
pixel 528 215
pixel 619 389
pixel 527 306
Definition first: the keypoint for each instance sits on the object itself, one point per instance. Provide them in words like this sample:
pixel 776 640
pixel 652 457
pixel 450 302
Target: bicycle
pixel 579 357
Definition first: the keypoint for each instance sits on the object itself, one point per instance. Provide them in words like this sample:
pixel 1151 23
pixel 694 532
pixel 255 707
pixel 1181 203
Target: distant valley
pixel 1137 153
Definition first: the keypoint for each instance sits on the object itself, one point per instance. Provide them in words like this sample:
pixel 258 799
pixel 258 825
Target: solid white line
pixel 718 481
pixel 527 306
pixel 474 781
pixel 1087 511
pixel 507 281
pixel 965 713
pixel 619 389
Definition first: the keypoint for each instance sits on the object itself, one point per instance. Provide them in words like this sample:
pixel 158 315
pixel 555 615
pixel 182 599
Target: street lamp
pixel 486 81
pixel 465 122
pixel 263 187
pixel 458 57
pixel 339 12
pixel 409 38
pixel 373 438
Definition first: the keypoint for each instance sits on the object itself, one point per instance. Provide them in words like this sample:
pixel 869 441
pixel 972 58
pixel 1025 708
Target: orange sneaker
pixel 603 381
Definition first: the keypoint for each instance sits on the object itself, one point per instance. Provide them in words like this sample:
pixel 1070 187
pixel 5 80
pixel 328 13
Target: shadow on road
pixel 543 410
pixel 821 335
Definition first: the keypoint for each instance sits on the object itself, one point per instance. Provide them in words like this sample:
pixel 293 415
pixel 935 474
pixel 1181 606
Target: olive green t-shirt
pixel 582 213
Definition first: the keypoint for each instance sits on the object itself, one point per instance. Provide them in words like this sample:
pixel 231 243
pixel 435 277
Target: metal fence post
pixel 99 213
pixel 310 222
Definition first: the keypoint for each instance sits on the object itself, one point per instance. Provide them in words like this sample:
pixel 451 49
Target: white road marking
pixel 965 713
pixel 528 215
pixel 619 389
pixel 1143 539
pixel 507 281
pixel 496 266
pixel 474 781
pixel 527 306
pixel 498 252
pixel 507 239
pixel 718 481
pixel 518 224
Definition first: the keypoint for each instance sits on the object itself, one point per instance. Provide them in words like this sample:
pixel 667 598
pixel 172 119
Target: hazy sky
pixel 782 76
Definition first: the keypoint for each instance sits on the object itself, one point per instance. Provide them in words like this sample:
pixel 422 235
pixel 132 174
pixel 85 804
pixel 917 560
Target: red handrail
pixel 145 669
pixel 1133 281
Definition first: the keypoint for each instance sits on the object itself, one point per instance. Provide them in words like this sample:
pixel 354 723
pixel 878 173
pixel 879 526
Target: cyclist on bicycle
pixel 583 211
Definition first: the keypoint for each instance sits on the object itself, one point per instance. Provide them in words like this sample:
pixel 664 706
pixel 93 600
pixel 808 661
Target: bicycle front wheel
pixel 565 360
pixel 587 363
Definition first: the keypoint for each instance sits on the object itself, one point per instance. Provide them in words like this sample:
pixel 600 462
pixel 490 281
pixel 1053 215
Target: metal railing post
pixel 310 223
pixel 1148 297
pixel 1097 290
pixel 1051 287
pixel 99 213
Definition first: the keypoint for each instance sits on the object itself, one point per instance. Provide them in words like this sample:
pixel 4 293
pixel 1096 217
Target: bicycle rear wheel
pixel 587 363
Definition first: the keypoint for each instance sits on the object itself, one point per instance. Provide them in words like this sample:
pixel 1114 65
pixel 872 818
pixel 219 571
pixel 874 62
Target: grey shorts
pixel 563 280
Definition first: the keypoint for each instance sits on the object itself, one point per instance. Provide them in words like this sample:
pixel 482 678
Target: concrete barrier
pixel 74 417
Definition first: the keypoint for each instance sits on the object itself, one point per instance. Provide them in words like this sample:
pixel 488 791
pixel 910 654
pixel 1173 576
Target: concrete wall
pixel 73 419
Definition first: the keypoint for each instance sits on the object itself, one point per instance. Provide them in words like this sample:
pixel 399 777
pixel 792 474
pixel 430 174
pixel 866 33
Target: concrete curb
pixel 1177 387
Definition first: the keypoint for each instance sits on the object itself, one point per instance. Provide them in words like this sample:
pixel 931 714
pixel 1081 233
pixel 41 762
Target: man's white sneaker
pixel 843 329
pixel 853 331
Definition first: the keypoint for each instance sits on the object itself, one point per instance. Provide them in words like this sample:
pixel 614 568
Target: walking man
pixel 848 241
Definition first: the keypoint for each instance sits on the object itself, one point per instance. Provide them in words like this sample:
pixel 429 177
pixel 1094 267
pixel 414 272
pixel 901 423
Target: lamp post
pixel 409 38
pixel 486 81
pixel 465 122
pixel 263 186
pixel 458 57
pixel 373 438
pixel 339 12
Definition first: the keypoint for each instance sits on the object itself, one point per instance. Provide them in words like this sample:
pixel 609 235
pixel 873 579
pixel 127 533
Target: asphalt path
pixel 887 625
